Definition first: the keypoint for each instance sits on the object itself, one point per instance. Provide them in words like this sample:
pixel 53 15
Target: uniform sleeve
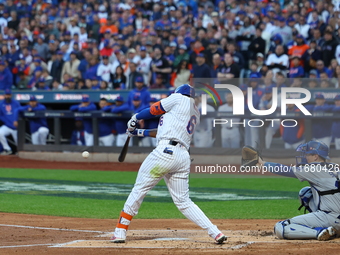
pixel 39 107
pixel 74 108
pixel 169 102
pixel 88 108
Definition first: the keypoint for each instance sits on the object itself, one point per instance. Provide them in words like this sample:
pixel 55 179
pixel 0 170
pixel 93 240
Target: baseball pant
pixel 230 137
pixel 174 169
pixel 337 143
pixel 88 139
pixel 149 142
pixel 293 145
pixel 203 139
pixel 121 139
pixel 107 140
pixel 6 131
pixel 39 136
pixel 327 140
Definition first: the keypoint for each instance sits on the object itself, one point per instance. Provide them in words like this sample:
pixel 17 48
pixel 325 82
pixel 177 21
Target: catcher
pixel 321 198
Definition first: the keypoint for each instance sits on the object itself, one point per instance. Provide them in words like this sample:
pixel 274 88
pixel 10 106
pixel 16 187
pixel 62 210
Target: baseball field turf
pixel 101 194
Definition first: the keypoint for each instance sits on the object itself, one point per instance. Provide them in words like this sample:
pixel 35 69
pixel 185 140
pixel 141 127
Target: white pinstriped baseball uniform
pixel 177 124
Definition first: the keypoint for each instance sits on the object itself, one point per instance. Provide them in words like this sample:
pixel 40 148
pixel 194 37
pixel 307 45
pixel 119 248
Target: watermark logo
pixel 239 100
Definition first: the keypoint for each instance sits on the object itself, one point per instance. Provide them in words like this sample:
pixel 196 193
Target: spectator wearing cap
pixel 311 56
pixel 296 70
pixel 12 57
pixel 321 128
pixel 144 65
pixel 92 68
pixel 217 65
pixel 141 90
pixel 73 27
pixel 107 50
pixel 104 69
pixel 236 55
pixel 302 27
pixel 137 105
pixel 278 61
pixel 284 30
pixel 118 78
pixel 168 55
pixel 37 74
pixel 71 67
pixel 57 66
pixel 95 82
pixel 159 65
pixel 41 85
pixel 86 106
pixel 201 69
pixel 41 47
pixel 258 45
pixel 328 48
pixel 38 126
pixel 336 122
pixel 299 49
pixel 108 28
pixel 132 56
pixel 229 70
pixel 164 22
pixel 6 76
pixel 8 106
pixel 158 84
pixel 244 37
pixel 182 55
pixel 71 84
pixel 133 75
pixel 266 103
pixel 293 135
pixel 213 49
pixel 197 49
pixel 275 41
pixel 84 64
pixel 321 68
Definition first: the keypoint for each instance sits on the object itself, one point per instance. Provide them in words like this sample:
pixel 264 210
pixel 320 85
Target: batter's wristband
pixel 140 132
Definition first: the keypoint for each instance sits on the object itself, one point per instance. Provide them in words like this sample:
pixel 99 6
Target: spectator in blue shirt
pixel 6 77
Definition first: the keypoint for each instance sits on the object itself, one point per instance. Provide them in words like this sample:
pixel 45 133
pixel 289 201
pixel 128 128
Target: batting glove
pixel 132 124
pixel 132 133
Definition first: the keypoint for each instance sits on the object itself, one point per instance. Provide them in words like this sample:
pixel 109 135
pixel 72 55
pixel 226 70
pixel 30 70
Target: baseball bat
pixel 122 154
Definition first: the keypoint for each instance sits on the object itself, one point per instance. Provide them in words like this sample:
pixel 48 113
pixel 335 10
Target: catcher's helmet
pixel 186 89
pixel 312 147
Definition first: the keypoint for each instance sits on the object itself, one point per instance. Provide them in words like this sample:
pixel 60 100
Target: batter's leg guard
pixel 122 226
pixel 285 230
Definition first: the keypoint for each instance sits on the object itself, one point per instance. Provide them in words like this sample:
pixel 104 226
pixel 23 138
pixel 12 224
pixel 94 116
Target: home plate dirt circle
pixel 173 239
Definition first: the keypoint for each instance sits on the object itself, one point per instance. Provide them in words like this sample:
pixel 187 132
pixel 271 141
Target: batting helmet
pixel 312 147
pixel 186 89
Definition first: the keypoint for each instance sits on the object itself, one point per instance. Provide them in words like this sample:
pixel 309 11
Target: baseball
pixel 85 154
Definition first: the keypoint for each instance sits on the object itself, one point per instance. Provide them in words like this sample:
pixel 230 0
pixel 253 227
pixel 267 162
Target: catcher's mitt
pixel 250 156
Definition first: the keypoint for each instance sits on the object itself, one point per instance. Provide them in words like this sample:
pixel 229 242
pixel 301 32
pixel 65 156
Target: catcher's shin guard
pixel 285 230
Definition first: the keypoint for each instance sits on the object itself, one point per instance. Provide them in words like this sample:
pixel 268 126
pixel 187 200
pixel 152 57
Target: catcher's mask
pixel 312 147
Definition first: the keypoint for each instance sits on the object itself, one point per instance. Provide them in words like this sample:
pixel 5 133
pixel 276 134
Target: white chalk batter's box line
pixel 65 245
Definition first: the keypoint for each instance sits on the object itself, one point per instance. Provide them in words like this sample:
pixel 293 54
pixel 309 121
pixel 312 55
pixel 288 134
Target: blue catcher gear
pixel 306 199
pixel 312 147
pixel 186 89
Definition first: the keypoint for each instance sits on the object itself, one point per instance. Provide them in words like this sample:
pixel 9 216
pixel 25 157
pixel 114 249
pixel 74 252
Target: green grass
pixel 105 208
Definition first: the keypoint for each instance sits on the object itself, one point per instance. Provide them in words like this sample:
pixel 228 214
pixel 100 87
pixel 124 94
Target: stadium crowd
pixel 104 45
pixel 152 44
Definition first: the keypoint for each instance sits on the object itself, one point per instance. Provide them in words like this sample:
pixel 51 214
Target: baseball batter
pixel 321 198
pixel 170 160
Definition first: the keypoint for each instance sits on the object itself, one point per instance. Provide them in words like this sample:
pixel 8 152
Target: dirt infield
pixel 38 234
pixel 16 162
pixel 35 234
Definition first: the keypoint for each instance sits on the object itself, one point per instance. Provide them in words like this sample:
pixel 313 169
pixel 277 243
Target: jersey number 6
pixel 191 124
